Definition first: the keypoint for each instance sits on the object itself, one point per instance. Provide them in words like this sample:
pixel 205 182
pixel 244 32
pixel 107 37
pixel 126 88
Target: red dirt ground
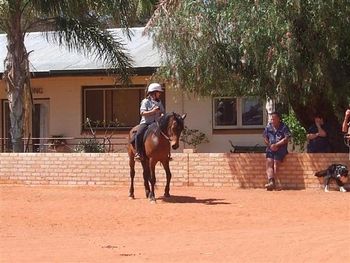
pixel 100 224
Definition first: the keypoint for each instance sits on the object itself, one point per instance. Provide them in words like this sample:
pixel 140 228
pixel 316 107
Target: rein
pixel 162 133
pixel 165 136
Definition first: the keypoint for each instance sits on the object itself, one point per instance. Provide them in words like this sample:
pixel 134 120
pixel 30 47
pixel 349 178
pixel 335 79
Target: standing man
pixel 276 136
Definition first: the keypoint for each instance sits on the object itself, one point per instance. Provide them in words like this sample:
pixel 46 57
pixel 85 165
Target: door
pixel 40 126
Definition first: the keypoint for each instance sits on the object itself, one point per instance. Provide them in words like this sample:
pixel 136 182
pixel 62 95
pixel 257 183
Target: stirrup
pixel 138 157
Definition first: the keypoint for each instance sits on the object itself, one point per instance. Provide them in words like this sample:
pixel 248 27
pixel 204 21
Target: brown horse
pixel 158 139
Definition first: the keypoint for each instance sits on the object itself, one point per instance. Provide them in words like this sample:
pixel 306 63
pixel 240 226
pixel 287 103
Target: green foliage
pixel 193 137
pixel 262 47
pixel 93 144
pixel 90 145
pixel 294 51
pixel 274 48
pixel 145 8
pixel 298 131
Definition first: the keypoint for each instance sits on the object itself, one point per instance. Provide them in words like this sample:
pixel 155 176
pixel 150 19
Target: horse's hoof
pixel 153 201
pixel 166 195
pixel 131 197
pixel 152 198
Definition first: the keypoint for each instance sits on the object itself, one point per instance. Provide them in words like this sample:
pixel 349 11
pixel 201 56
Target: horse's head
pixel 173 126
pixel 175 129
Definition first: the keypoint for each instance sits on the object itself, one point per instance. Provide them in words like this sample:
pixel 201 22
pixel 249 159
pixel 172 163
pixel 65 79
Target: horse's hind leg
pixel 168 178
pixel 146 176
pixel 132 176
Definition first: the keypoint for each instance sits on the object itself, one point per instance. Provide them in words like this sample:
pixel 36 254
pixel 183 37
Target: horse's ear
pixel 184 116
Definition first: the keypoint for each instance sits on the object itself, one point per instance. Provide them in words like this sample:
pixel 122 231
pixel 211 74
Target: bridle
pixel 165 135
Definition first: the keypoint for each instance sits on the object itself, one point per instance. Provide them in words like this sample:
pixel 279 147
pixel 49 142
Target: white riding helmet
pixel 154 87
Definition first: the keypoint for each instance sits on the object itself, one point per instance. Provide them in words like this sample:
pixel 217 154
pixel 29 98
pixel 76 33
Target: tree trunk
pixel 16 76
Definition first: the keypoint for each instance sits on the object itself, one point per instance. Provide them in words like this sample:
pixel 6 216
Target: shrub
pixel 90 145
pixel 298 131
pixel 193 137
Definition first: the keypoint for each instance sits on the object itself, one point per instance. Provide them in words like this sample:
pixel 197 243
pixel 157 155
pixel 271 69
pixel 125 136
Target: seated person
pixel 276 136
pixel 317 136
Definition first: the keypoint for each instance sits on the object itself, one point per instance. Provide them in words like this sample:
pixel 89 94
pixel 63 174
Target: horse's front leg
pixel 146 176
pixel 132 176
pixel 168 178
pixel 152 179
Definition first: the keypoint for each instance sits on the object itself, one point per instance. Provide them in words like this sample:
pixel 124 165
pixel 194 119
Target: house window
pixel 238 113
pixel 113 107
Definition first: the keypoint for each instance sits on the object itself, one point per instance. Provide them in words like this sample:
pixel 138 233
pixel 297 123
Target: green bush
pixel 90 146
pixel 193 137
pixel 298 131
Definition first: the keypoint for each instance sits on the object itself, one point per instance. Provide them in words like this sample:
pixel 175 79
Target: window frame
pixel 239 110
pixel 84 127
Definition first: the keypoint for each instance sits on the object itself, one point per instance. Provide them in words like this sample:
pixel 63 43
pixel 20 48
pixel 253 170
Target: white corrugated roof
pixel 47 56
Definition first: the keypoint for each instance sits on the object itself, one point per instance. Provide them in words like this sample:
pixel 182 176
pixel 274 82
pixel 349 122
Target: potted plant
pixel 93 144
pixel 193 138
pixel 57 143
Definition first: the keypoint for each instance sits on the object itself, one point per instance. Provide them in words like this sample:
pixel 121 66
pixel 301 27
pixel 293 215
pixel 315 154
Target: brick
pixel 197 169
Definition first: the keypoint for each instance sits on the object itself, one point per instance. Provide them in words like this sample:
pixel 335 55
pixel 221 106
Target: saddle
pixel 150 128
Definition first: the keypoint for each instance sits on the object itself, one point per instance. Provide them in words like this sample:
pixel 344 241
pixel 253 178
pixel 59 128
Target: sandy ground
pixel 100 224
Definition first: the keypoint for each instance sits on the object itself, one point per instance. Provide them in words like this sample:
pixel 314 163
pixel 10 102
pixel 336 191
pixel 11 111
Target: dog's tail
pixel 321 173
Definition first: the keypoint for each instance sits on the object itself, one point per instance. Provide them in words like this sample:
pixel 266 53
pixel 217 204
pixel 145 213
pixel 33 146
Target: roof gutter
pixel 144 71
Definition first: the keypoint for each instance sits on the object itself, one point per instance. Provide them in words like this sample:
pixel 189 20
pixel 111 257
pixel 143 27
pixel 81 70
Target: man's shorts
pixel 278 156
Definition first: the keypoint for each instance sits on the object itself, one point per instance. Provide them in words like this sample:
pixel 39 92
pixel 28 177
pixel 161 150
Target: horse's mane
pixel 162 124
pixel 164 120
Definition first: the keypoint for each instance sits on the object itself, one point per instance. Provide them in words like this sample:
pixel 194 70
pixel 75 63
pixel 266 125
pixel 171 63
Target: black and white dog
pixel 338 172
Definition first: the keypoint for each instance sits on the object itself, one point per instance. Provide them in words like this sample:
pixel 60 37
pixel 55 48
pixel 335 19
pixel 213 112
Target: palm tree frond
pixel 81 36
pixel 48 7
pixel 117 12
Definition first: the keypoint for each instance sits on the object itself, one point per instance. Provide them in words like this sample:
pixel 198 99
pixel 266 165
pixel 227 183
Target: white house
pixel 69 87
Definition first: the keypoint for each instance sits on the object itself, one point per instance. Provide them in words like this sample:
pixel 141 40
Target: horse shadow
pixel 178 199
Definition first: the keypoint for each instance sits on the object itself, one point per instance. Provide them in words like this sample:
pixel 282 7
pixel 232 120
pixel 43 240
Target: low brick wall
pixel 242 170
